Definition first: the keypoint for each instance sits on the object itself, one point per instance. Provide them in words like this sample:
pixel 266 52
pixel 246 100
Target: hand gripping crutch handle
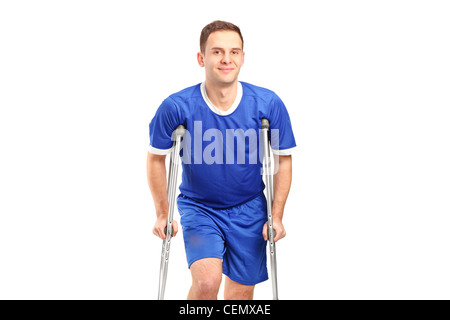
pixel 267 165
pixel 171 193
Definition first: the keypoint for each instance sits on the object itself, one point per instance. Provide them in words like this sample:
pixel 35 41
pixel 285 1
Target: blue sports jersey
pixel 222 150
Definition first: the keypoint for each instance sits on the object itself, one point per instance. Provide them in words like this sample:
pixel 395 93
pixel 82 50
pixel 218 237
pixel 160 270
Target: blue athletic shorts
pixel 233 235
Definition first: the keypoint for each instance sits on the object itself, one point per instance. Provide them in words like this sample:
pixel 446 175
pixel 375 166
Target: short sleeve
pixel 165 121
pixel 281 134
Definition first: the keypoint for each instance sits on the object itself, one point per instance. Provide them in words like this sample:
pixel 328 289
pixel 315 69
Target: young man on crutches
pixel 221 203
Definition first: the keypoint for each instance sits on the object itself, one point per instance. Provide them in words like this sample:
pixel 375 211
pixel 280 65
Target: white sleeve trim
pixel 284 152
pixel 161 152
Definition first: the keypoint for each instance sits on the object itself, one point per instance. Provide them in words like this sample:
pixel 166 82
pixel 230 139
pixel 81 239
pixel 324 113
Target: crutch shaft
pixel 267 164
pixel 171 193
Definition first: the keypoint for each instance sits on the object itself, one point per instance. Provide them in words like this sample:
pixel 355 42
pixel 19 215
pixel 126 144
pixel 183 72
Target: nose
pixel 226 58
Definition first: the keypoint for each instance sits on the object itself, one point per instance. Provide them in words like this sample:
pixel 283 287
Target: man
pixel 222 205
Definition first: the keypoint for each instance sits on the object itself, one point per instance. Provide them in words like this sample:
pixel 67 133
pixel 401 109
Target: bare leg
pixel 206 278
pixel 237 291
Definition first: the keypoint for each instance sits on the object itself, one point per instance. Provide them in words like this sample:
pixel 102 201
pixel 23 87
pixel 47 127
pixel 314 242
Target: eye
pixel 216 51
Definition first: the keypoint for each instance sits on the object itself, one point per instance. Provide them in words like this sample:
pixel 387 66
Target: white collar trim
pixel 213 108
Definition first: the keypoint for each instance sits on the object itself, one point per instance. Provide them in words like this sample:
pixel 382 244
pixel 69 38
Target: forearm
pixel 281 185
pixel 156 177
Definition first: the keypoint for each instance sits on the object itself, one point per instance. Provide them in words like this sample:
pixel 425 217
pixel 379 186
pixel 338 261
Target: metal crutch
pixel 171 192
pixel 267 164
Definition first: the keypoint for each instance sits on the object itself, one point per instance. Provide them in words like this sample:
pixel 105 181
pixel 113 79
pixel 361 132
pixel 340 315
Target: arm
pixel 156 178
pixel 281 186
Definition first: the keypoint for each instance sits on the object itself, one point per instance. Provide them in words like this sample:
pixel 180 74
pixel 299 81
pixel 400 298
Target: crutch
pixel 171 192
pixel 267 164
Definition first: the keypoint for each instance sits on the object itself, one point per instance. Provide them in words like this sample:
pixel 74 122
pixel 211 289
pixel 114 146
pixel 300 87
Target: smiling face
pixel 223 57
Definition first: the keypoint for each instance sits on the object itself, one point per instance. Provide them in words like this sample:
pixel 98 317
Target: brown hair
pixel 218 26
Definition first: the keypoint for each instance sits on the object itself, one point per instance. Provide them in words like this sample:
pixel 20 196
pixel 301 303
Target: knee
pixel 208 286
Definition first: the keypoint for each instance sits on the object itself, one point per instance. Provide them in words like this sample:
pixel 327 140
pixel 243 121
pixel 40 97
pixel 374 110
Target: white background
pixel 366 84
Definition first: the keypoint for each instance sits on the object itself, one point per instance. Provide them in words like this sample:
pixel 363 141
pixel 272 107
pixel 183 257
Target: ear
pixel 243 56
pixel 200 59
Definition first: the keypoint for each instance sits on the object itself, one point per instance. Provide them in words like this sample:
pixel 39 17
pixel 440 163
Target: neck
pixel 221 96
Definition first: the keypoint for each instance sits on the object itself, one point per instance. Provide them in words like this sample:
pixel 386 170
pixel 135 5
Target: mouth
pixel 226 70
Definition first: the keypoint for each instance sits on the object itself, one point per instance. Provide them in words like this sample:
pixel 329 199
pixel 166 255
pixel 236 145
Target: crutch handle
pixel 165 230
pixel 274 232
pixel 265 124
